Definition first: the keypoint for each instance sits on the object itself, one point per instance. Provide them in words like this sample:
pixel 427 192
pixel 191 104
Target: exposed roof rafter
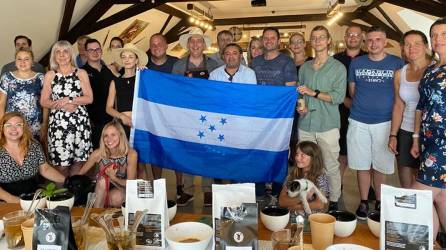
pixel 66 19
pixel 427 7
pixel 270 19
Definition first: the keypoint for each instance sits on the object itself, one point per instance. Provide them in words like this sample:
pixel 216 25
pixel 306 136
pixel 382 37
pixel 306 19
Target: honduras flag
pixel 232 131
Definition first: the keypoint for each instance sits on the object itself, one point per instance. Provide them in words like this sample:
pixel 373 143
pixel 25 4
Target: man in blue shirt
pixel 273 68
pixel 371 87
pixel 232 70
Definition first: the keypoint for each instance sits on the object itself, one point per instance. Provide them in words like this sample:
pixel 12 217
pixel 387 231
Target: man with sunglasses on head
pixel 100 77
pixel 233 70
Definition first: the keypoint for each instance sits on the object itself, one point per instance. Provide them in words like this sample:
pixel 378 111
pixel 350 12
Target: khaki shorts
pixel 367 147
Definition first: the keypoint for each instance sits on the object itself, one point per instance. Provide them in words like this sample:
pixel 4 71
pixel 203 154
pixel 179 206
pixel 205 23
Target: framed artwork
pixel 133 30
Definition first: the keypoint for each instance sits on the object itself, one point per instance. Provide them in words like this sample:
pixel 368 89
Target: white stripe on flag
pixel 210 128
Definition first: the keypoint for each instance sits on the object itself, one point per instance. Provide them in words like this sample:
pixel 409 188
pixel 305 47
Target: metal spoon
pixel 90 201
pixel 36 195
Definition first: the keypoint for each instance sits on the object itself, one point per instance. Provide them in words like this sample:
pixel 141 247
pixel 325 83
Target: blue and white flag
pixel 231 131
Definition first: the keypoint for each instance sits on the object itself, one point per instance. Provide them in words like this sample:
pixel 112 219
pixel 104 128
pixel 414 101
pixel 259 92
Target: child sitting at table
pixel 308 165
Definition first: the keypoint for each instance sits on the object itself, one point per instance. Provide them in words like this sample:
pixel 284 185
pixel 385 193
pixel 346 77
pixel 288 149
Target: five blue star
pixel 223 121
pixel 212 128
pixel 221 137
pixel 200 134
pixel 203 118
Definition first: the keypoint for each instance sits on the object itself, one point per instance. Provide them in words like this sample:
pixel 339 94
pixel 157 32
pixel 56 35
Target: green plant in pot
pixel 57 196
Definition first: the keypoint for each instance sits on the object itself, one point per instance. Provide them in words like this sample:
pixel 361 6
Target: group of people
pixel 361 110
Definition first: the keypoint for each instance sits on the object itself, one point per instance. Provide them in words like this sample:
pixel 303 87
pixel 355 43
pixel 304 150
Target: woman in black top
pixel 120 106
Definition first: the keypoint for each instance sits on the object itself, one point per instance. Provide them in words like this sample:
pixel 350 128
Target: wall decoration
pixel 133 30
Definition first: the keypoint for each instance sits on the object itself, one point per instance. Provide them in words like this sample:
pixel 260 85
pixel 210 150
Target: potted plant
pixel 57 196
pixel 26 201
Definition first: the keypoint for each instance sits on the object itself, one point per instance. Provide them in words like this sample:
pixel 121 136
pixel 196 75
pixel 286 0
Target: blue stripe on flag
pixel 245 165
pixel 213 96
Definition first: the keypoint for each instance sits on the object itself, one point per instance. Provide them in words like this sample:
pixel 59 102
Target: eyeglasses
pixel 318 38
pixel 356 35
pixel 298 42
pixel 97 50
pixel 10 125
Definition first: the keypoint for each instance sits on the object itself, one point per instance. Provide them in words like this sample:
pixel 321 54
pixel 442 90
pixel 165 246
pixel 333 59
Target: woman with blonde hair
pixel 117 163
pixel 20 91
pixel 21 159
pixel 255 48
pixel 66 92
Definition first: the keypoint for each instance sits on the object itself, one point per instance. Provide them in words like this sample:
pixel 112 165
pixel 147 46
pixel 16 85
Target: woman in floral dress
pixel 430 127
pixel 20 92
pixel 66 91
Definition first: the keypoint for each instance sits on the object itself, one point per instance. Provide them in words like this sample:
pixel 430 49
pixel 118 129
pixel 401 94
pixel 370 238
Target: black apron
pixel 202 73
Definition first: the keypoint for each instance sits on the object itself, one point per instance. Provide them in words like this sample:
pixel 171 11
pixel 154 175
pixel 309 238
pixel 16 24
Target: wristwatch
pixel 70 99
pixel 317 93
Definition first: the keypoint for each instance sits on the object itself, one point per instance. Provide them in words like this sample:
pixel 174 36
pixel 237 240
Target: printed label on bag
pixel 406 201
pixel 145 189
pixel 48 247
pixel 406 236
pixel 149 230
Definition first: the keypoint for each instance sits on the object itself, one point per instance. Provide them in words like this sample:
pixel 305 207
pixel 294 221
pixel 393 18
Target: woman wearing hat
pixel 120 106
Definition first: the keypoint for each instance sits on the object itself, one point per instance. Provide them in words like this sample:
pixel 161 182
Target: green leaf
pixel 61 190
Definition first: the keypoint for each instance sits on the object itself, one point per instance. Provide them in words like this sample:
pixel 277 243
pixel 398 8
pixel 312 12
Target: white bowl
pixel 51 204
pixel 275 218
pixel 347 247
pixel 171 209
pixel 189 230
pixel 373 221
pixel 345 223
pixel 25 204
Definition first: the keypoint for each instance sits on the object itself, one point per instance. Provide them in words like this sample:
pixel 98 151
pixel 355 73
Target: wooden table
pixel 361 236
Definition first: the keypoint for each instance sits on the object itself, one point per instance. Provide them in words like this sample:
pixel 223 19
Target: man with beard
pixel 273 68
pixel 197 65
pixel 323 82
pixel 353 40
pixel 232 70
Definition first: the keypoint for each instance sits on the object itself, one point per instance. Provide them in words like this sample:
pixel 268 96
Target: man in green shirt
pixel 322 81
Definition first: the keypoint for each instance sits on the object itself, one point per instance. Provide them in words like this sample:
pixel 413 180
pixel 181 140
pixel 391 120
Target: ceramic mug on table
pixel 322 230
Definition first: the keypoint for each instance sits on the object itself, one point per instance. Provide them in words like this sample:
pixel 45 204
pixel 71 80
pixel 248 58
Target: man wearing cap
pixel 232 70
pixel 100 77
pixel 194 64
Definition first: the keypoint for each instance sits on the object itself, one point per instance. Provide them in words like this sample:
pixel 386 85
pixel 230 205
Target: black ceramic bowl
pixel 275 211
pixel 343 215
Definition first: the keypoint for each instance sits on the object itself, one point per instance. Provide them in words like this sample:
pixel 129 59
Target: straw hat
pixel 142 56
pixel 194 31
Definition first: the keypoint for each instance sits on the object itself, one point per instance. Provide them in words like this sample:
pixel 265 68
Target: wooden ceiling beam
pixel 270 19
pixel 430 7
pixel 174 33
pixel 122 15
pixel 66 19
pixel 374 21
pixel 279 27
pixel 96 12
pixel 172 11
pixel 388 19
pixel 165 24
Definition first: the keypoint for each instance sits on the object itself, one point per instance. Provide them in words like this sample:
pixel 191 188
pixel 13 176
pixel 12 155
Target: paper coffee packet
pixel 406 219
pixel 150 195
pixel 52 229
pixel 235 217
